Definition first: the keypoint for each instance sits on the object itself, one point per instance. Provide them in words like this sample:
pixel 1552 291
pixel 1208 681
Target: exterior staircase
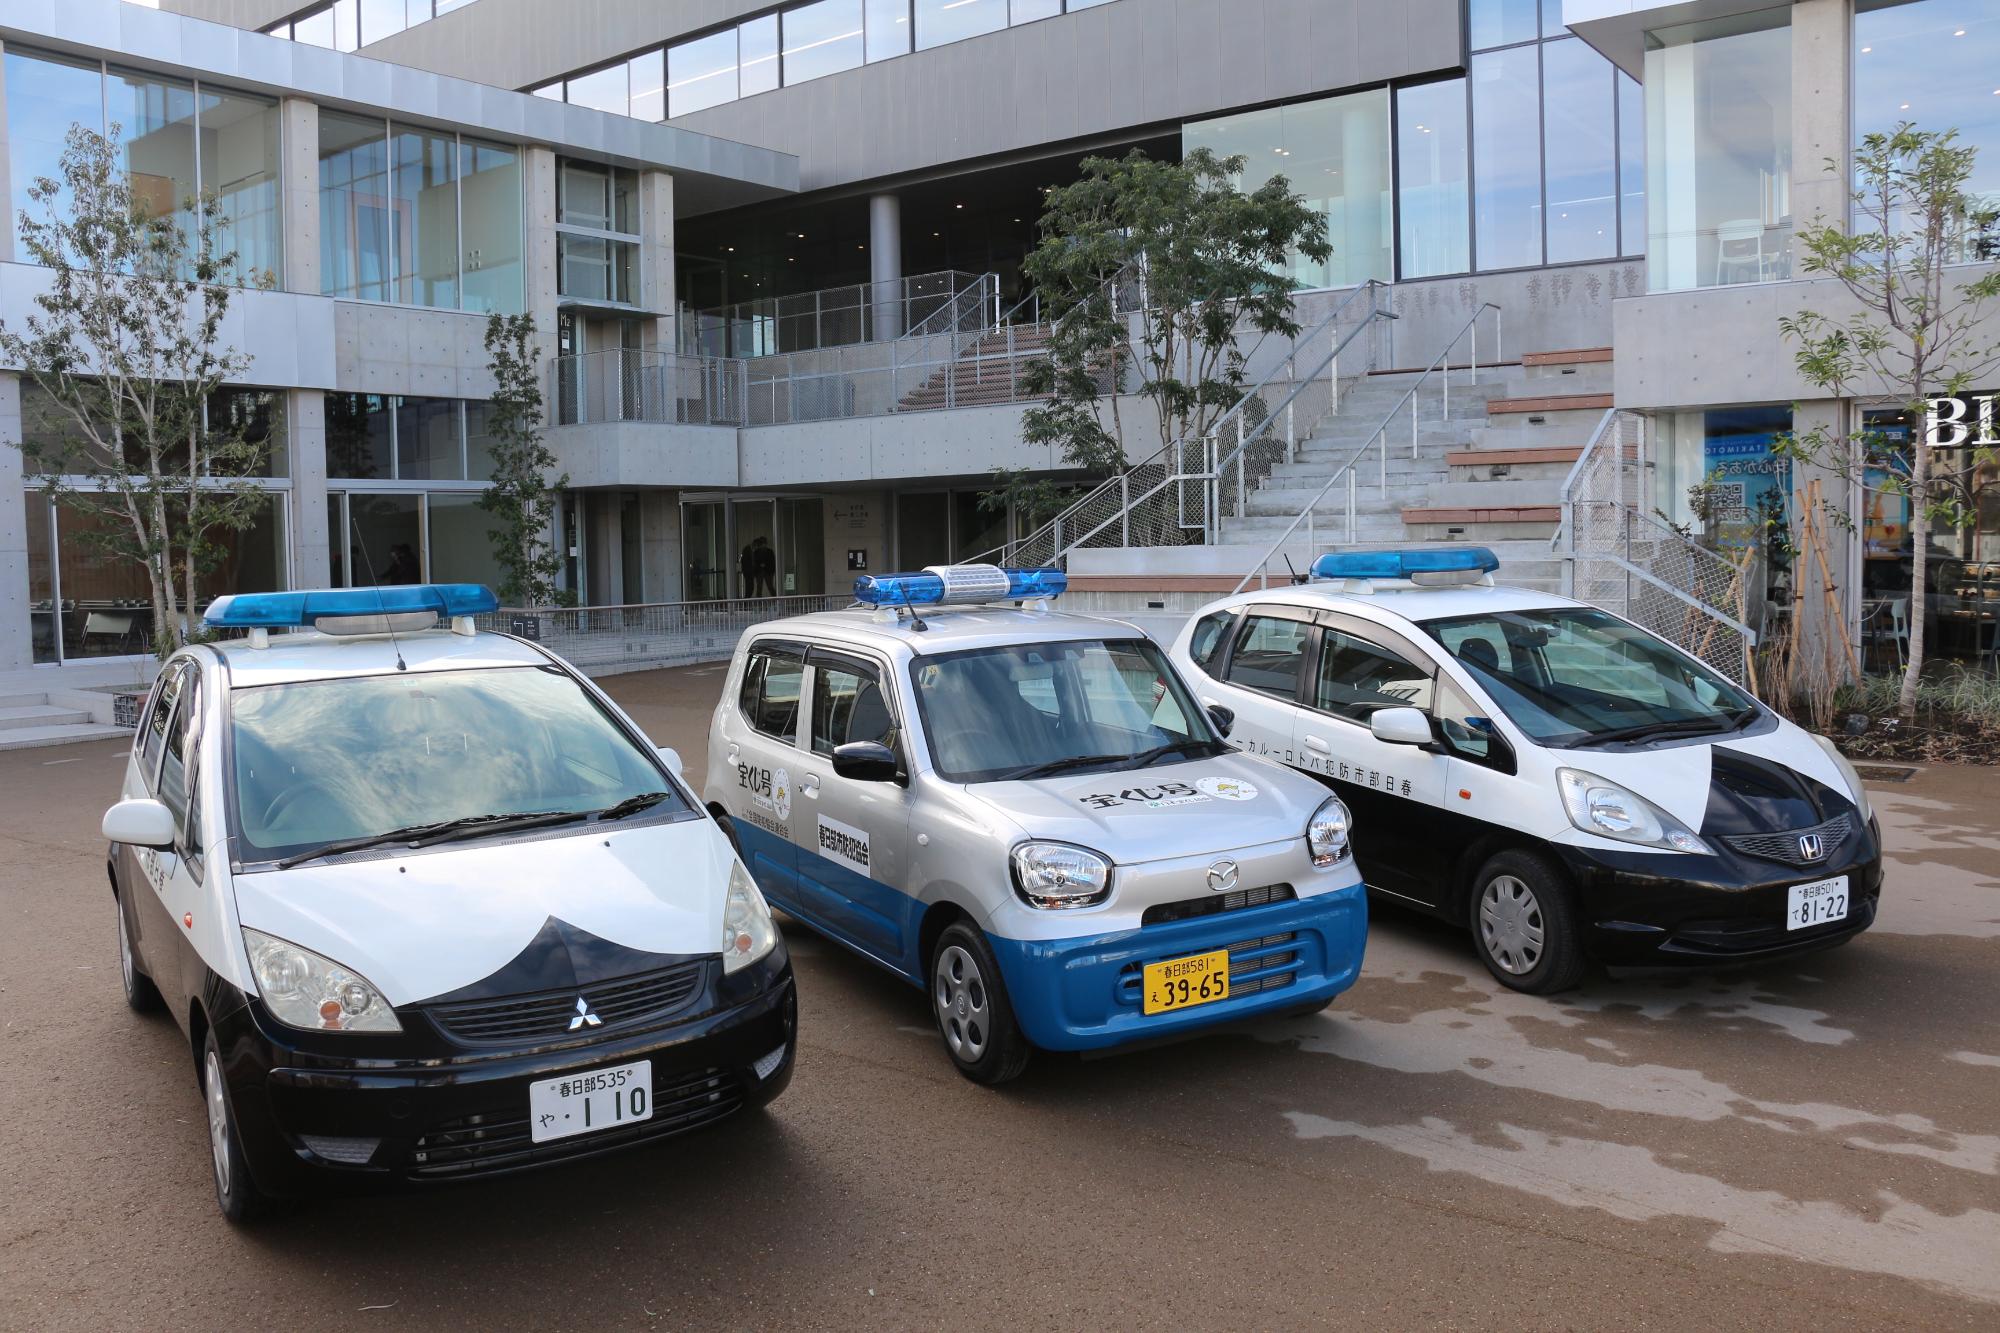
pixel 987 371
pixel 30 720
pixel 1491 474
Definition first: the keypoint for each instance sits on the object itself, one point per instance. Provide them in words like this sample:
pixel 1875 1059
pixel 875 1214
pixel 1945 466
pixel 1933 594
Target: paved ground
pixel 1816 1144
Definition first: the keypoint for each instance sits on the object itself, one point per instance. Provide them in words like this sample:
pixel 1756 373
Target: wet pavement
pixel 1813 1143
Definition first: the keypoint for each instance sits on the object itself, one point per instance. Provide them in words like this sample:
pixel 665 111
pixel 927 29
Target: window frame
pixel 1273 611
pixel 803 651
pixel 1375 636
pixel 843 658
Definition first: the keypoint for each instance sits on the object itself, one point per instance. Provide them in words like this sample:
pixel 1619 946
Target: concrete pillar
pixel 606 545
pixel 1822 117
pixel 298 194
pixel 656 256
pixel 660 545
pixel 885 263
pixel 17 640
pixel 305 440
pixel 538 182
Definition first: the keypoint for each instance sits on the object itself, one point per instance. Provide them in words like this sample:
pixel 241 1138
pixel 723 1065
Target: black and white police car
pixel 427 905
pixel 1564 783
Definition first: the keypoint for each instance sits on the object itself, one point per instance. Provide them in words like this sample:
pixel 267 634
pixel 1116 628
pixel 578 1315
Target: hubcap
pixel 1510 925
pixel 960 995
pixel 126 971
pixel 218 1121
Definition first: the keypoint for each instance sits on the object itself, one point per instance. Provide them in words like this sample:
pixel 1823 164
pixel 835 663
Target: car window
pixel 1267 654
pixel 174 767
pixel 769 700
pixel 1209 635
pixel 1466 727
pixel 1479 644
pixel 848 705
pixel 161 712
pixel 1357 677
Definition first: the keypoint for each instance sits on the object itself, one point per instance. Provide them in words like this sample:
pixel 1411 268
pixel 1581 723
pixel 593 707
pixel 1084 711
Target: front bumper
pixel 299 1112
pixel 1654 909
pixel 1083 993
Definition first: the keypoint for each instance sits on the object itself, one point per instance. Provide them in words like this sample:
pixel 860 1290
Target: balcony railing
pixel 863 312
pixel 641 384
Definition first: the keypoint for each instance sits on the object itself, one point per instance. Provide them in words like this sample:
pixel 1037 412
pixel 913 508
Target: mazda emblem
pixel 1222 876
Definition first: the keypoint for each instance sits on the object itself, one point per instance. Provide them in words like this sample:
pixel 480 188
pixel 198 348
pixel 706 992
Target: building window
pixel 1719 152
pixel 346 24
pixel 821 38
pixel 597 240
pixel 392 437
pixel 159 122
pixel 1930 62
pixel 942 21
pixel 1579 131
pixel 1432 172
pixel 391 202
pixel 1507 158
pixel 888 24
pixel 757 54
pixel 1335 152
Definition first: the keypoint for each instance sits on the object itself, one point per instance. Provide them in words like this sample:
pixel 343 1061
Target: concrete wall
pixel 1541 310
pixel 856 521
pixel 1108 70
pixel 17 646
pixel 635 453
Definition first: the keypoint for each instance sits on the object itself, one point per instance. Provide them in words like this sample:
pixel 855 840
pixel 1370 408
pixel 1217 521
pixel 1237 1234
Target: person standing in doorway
pixel 746 569
pixel 766 558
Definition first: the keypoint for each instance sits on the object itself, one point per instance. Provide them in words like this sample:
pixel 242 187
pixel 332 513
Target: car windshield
pixel 329 761
pixel 1579 676
pixel 1035 709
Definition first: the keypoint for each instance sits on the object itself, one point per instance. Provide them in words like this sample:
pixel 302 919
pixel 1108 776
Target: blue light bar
pixel 959 585
pixel 1405 563
pixel 298 610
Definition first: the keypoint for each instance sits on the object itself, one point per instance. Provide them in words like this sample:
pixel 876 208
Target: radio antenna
pixel 1293 569
pixel 916 621
pixel 381 602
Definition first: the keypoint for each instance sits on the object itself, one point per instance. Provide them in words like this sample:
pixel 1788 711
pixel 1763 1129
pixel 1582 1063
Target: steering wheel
pixel 284 801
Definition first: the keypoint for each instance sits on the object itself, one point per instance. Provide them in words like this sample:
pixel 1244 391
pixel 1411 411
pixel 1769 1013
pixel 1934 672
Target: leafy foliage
pixel 1150 270
pixel 126 342
pixel 1917 333
pixel 522 499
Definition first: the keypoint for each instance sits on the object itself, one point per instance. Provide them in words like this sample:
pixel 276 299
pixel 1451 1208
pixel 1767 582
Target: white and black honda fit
pixel 427 905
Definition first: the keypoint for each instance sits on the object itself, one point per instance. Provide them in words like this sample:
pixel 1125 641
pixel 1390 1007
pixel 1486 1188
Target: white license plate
pixel 1816 903
pixel 586 1102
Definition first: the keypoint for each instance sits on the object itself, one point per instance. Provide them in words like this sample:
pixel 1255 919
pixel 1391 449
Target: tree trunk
pixel 166 616
pixel 1920 529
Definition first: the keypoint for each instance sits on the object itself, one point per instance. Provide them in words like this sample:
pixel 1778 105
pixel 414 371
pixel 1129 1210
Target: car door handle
pixel 1315 743
pixel 809 785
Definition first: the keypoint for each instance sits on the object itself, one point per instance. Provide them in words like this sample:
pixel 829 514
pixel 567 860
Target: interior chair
pixel 1739 250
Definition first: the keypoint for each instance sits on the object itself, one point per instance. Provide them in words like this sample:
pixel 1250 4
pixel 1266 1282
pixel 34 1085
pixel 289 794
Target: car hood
pixel 1742 784
pixel 500 917
pixel 1197 808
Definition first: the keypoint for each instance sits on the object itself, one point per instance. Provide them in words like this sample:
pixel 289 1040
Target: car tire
pixel 140 992
pixel 970 1006
pixel 236 1194
pixel 1524 923
pixel 728 827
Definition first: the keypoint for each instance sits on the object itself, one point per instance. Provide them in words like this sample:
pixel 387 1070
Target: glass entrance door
pixel 756 542
pixel 801 547
pixel 706 547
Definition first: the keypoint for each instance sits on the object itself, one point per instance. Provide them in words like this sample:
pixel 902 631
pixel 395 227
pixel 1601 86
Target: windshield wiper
pixel 1055 766
pixel 443 830
pixel 1159 752
pixel 1693 726
pixel 632 805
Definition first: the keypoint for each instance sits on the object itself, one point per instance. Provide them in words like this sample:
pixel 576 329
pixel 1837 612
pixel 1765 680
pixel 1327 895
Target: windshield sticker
pixel 1228 789
pixel 1155 798
pixel 843 843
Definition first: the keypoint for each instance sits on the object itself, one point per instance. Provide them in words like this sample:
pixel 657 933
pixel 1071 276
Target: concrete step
pixel 1546 404
pixel 22 700
pixel 28 738
pixel 1565 430
pixel 1491 494
pixel 18 717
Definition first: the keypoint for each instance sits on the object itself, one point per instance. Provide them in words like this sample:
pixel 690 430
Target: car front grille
pixel 626 1002
pixel 500 1140
pixel 1233 901
pixel 1257 956
pixel 1786 847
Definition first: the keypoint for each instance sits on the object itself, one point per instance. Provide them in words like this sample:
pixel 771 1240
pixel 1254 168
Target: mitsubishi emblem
pixel 1810 847
pixel 584 1018
pixel 1222 876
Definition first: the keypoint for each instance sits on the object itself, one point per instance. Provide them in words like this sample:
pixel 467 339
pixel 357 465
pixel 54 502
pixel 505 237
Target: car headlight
pixel 1056 876
pixel 748 933
pixel 1599 805
pixel 304 990
pixel 1847 770
pixel 1326 832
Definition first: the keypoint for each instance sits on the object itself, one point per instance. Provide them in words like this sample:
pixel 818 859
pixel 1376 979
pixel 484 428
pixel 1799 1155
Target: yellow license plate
pixel 1182 983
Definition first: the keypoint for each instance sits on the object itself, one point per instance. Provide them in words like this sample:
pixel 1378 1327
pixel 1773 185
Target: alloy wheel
pixel 218 1121
pixel 1510 925
pixel 127 969
pixel 959 992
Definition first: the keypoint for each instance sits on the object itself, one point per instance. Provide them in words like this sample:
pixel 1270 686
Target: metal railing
pixel 1619 555
pixel 1378 441
pixel 862 312
pixel 1178 496
pixel 645 384
pixel 600 638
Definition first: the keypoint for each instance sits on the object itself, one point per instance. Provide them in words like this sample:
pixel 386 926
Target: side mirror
pixel 865 761
pixel 672 759
pixel 141 822
pixel 1223 718
pixel 1401 726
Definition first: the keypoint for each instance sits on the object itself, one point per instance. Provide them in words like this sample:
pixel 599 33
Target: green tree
pixel 1151 270
pixel 126 344
pixel 522 499
pixel 1920 332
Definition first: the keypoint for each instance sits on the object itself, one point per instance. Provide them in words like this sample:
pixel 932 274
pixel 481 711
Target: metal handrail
pixel 1379 436
pixel 1174 449
pixel 648 384
pixel 851 308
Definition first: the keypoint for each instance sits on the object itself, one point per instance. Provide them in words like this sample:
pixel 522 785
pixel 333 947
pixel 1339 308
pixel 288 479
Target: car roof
pixel 310 655
pixel 947 629
pixel 1393 602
